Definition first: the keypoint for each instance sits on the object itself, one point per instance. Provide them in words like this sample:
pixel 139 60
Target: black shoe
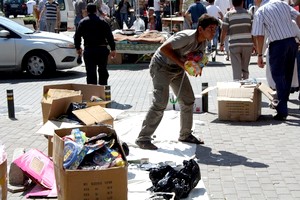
pixel 279 117
pixel 191 139
pixel 146 145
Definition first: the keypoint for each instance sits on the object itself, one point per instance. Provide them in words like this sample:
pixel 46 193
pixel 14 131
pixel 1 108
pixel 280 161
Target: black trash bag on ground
pixel 167 179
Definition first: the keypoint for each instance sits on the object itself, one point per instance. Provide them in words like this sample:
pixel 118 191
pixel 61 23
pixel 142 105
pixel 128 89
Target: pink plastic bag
pixel 38 167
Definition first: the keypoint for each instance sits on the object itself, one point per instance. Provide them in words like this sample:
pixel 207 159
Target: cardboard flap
pixel 240 93
pixel 87 90
pixel 60 106
pixel 58 150
pixel 267 91
pixel 59 93
pixel 93 115
pixel 50 126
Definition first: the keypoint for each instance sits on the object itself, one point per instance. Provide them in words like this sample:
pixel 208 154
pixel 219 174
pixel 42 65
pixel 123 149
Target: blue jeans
pixel 215 40
pixel 158 24
pixel 124 18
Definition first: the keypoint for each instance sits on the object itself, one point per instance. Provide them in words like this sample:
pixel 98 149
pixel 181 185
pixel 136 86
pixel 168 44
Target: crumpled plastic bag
pixel 167 179
pixel 138 25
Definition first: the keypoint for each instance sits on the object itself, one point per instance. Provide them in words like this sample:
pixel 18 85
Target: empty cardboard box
pixel 238 102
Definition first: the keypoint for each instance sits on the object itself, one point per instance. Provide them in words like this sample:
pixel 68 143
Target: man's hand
pixel 260 61
pixel 221 48
pixel 79 51
pixel 112 54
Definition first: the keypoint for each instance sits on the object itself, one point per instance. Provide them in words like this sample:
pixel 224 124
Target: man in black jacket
pixel 97 35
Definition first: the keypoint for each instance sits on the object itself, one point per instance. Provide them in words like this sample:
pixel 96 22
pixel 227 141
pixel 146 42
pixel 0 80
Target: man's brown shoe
pixel 146 145
pixel 191 139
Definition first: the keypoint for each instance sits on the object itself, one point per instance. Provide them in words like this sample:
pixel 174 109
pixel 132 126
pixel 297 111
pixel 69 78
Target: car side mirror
pixel 4 33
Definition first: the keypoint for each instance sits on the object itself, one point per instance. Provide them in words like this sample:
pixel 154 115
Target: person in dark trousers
pixel 96 34
pixel 167 69
pixel 282 46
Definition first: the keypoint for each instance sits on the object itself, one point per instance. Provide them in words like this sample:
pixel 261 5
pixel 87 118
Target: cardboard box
pixel 71 93
pixel 239 103
pixel 116 60
pixel 3 180
pixel 89 116
pixel 106 184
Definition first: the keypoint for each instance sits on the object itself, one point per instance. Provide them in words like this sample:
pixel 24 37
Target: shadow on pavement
pixel 128 66
pixel 224 158
pixel 19 77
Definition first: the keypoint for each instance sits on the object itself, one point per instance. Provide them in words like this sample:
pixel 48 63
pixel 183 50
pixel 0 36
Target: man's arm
pixel 222 38
pixel 259 48
pixel 298 20
pixel 42 12
pixel 188 17
pixel 57 16
pixel 168 51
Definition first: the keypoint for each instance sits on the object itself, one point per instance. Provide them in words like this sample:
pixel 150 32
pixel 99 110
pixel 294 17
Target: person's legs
pixel 282 57
pixel 158 24
pixel 160 100
pixel 186 99
pixel 51 25
pixel 76 21
pixel 226 47
pixel 42 25
pixel 102 65
pixel 235 56
pixel 246 55
pixel 90 66
pixel 215 39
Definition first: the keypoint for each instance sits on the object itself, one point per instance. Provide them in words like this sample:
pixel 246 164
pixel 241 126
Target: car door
pixel 8 51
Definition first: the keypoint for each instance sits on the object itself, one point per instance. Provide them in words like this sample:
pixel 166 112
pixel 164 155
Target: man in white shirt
pixel 216 12
pixel 30 5
pixel 224 6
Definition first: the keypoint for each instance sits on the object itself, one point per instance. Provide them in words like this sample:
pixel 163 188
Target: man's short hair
pixel 91 8
pixel 205 20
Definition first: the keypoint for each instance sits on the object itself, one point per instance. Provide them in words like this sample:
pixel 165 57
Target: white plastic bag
pixel 138 25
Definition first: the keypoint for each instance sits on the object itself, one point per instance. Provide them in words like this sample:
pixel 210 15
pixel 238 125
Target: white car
pixel 38 53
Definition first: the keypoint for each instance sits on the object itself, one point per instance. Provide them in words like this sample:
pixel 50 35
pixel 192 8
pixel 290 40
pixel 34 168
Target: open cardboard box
pixel 73 93
pixel 88 116
pixel 3 179
pixel 237 102
pixel 108 183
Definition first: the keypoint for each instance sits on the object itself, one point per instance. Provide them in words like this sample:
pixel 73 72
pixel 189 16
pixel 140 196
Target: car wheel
pixel 38 64
pixel 15 16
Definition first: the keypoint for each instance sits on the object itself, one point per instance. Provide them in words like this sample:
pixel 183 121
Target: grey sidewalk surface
pixel 239 160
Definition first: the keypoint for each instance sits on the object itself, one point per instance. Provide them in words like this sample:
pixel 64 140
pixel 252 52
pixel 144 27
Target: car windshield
pixel 15 26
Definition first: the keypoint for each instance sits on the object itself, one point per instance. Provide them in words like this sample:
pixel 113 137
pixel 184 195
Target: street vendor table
pixel 136 48
pixel 145 44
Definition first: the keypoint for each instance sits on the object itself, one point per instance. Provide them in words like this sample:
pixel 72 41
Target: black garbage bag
pixel 75 106
pixel 167 179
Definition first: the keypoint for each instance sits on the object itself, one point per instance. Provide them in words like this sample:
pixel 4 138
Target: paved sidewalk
pixel 240 160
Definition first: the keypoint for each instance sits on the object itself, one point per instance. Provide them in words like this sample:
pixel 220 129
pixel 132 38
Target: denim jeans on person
pixel 124 18
pixel 214 40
